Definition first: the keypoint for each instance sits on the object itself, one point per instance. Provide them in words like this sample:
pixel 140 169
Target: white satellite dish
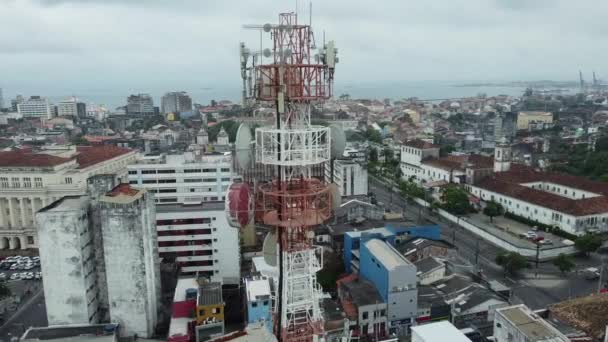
pixel 267 27
pixel 242 145
pixel 336 198
pixel 338 141
pixel 267 53
pixel 269 248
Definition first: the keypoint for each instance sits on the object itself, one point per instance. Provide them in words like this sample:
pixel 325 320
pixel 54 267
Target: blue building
pixel 259 304
pixel 390 233
pixel 395 279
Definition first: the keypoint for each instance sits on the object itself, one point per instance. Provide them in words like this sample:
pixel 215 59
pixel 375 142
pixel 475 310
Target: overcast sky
pixel 104 44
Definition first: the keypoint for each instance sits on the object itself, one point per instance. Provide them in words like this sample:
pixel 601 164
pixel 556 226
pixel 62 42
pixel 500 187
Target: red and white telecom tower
pixel 294 201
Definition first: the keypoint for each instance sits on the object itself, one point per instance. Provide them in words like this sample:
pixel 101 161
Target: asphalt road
pixel 536 291
pixel 31 314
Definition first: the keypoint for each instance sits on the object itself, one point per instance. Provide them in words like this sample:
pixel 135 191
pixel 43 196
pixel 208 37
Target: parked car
pixel 14 276
pixel 546 242
pixel 591 273
pixel 2 276
pixel 538 239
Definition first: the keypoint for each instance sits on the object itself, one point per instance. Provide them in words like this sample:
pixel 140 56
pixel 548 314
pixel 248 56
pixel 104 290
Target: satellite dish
pixel 269 248
pixel 336 198
pixel 267 27
pixel 338 141
pixel 242 145
pixel 267 53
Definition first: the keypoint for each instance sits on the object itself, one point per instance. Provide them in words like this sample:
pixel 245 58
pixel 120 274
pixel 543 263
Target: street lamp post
pixel 537 257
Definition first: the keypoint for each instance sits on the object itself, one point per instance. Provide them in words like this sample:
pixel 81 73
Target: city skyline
pixel 124 44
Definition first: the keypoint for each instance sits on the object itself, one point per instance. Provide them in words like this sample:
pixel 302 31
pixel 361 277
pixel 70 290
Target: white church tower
pixel 502 156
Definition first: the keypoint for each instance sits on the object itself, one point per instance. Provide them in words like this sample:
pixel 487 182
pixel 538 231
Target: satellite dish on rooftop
pixel 338 141
pixel 267 27
pixel 267 53
pixel 242 145
pixel 269 248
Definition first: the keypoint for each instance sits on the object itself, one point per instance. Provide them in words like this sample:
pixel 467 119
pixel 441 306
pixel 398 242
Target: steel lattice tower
pixel 294 202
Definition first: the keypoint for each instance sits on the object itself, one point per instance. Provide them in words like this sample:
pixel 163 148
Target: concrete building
pixel 259 301
pixel 436 332
pixel 35 107
pixel 72 107
pixel 364 306
pixel 350 176
pixel 176 102
pixel 519 324
pixel 527 118
pixel 395 279
pixel 209 312
pixel 222 138
pixel 67 258
pixel 131 259
pixel 429 270
pixel 140 104
pixel 190 192
pixel 79 332
pixel 32 180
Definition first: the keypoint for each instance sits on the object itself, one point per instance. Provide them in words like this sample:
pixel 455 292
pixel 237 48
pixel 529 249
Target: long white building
pixel 190 191
pixel 31 180
pixel 35 107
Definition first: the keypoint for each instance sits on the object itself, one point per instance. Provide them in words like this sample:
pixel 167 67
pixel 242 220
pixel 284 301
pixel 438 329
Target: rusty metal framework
pixel 294 202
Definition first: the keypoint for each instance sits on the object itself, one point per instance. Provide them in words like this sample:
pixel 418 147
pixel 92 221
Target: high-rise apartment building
pixel 140 104
pixel 35 106
pixel 176 102
pixel 190 191
pixel 72 107
pixel 32 180
pixel 15 102
pixel 99 258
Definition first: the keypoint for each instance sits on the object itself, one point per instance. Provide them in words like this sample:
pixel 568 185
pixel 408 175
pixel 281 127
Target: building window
pixel 192 170
pixel 15 182
pixel 226 179
pixel 224 169
pixel 209 170
pixel 148 172
pixel 27 182
pixel 265 303
pixel 365 315
pixel 254 305
pixel 68 180
pixel 133 172
pixel 30 240
pixel 4 182
pixel 38 182
pixel 165 171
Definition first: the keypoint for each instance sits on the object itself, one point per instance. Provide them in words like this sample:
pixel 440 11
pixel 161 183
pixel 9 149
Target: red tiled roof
pixel 421 144
pixel 91 155
pixel 25 158
pixel 461 162
pixel 579 207
pixel 123 189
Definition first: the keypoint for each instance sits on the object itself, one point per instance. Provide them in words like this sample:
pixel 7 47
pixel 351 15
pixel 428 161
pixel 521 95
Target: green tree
pixel 588 243
pixel 445 150
pixel 511 262
pixel 79 140
pixel 373 135
pixel 493 209
pixel 564 263
pixel 388 155
pixel 373 155
pixel 455 200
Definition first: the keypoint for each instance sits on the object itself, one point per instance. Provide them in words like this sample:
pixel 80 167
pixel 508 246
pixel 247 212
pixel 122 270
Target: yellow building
pixel 524 118
pixel 209 304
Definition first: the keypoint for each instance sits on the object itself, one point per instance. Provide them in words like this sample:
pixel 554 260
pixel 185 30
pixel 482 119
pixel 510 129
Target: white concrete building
pixel 350 176
pixel 190 191
pixel 31 180
pixel 67 262
pixel 519 324
pixel 72 107
pixel 131 259
pixel 438 332
pixel 222 137
pixel 35 106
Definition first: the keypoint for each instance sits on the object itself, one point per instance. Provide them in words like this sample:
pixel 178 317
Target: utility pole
pixel 599 281
pixel 477 252
pixel 537 256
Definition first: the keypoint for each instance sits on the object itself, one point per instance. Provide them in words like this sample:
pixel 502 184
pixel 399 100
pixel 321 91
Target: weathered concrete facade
pixel 131 259
pixel 67 260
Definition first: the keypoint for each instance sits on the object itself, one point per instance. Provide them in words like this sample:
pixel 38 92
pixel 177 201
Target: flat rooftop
pixel 439 331
pixel 361 291
pixel 530 325
pixel 67 203
pixel 93 332
pixel 123 194
pixel 184 284
pixel 386 254
pixel 258 288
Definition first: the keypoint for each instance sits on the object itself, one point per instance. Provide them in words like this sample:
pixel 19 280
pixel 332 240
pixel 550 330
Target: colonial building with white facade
pixel 31 180
pixel 190 191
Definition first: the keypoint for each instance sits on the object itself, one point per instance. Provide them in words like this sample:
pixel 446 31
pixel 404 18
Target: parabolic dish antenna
pixel 242 145
pixel 338 141
pixel 267 53
pixel 267 27
pixel 269 248
pixel 336 198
